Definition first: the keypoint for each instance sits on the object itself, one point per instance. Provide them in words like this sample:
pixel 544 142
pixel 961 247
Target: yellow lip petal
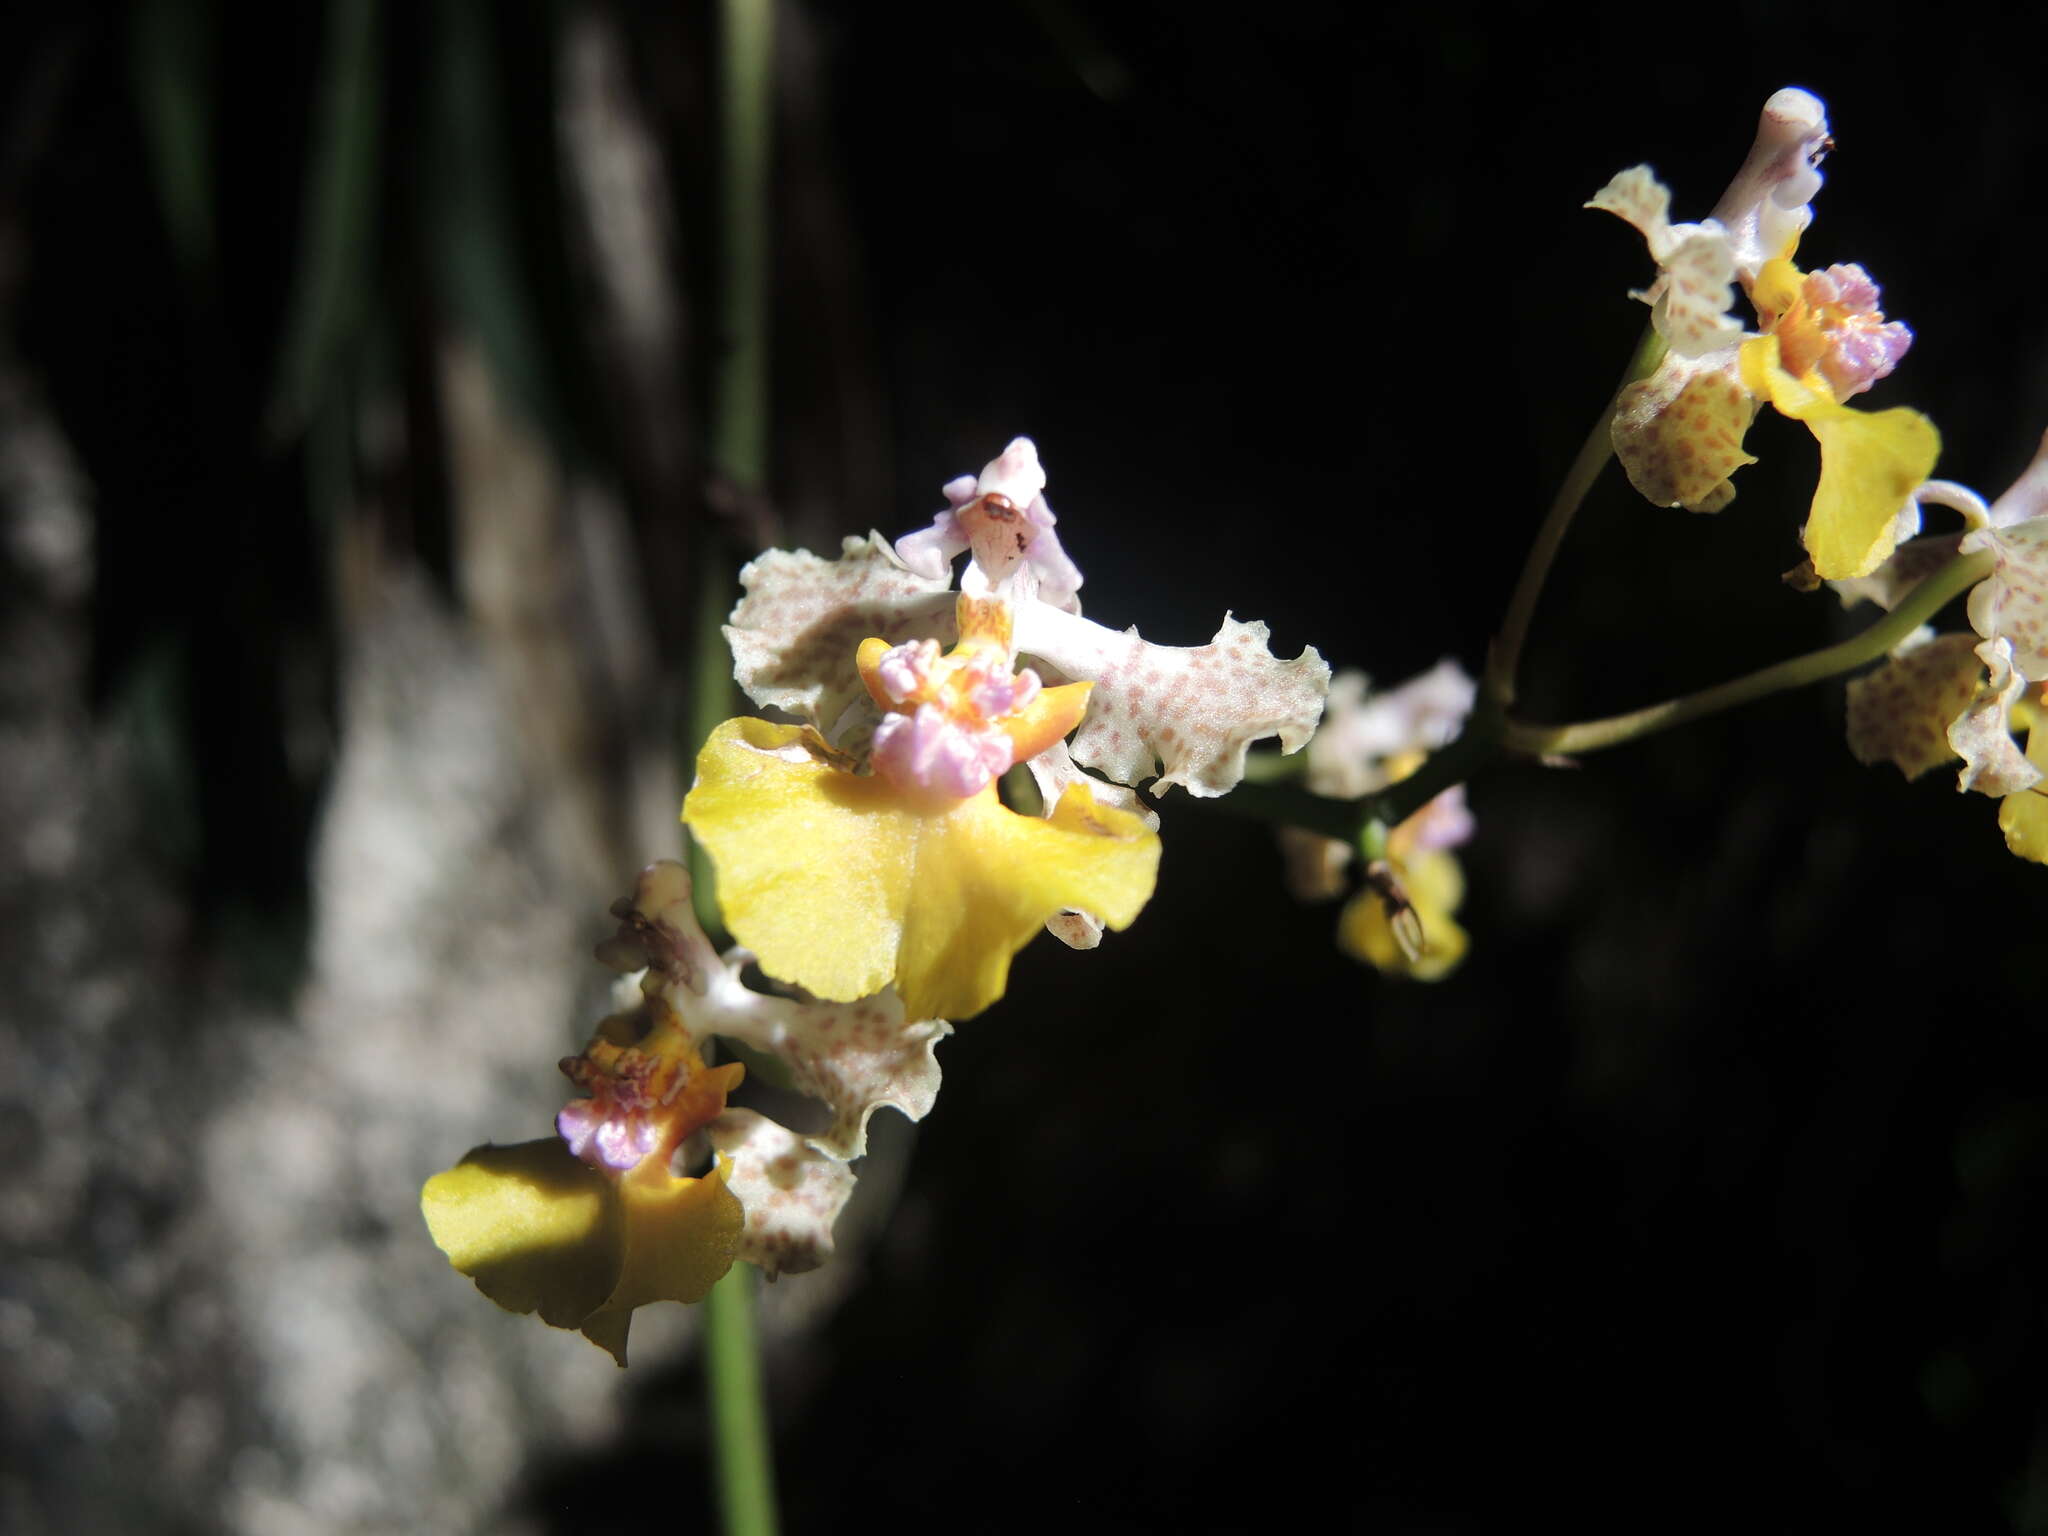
pixel 536 1229
pixel 844 884
pixel 1870 464
pixel 680 1238
pixel 680 1235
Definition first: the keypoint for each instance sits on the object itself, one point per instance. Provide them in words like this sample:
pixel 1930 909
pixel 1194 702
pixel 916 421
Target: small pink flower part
pixel 648 1089
pixel 1001 692
pixel 955 722
pixel 932 750
pixel 1003 517
pixel 1445 822
pixel 1014 474
pixel 602 1136
pixel 908 670
pixel 1843 333
pixel 616 1126
pixel 932 551
pixel 1993 764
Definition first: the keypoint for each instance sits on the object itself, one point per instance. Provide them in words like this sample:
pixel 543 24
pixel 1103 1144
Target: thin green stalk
pixel 739 1406
pixel 706 706
pixel 744 1448
pixel 1492 736
pixel 325 322
pixel 739 411
pixel 1352 821
pixel 1273 768
pixel 1505 658
pixel 1285 805
pixel 1527 739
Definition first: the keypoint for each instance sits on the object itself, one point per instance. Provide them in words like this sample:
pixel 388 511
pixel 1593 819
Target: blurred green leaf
pixel 480 244
pixel 331 294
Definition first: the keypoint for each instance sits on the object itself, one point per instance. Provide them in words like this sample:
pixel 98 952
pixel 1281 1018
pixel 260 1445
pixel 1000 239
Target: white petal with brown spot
pixel 1185 712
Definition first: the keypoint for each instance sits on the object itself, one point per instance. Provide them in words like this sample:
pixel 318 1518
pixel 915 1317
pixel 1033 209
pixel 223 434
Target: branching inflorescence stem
pixel 1494 735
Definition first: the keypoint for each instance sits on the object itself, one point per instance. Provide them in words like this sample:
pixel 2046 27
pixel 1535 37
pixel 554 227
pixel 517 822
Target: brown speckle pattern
pixel 1901 712
pixel 794 633
pixel 1679 432
pixel 2012 602
pixel 1185 713
pixel 853 1057
pixel 792 1193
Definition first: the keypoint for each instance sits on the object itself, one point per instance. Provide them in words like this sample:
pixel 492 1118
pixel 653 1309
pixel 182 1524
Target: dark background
pixel 1710 1190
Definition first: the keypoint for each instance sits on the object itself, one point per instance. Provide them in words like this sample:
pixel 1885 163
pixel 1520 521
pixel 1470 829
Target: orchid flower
pixel 1401 921
pixel 1821 339
pixel 586 1226
pixel 1948 696
pixel 864 856
pixel 867 845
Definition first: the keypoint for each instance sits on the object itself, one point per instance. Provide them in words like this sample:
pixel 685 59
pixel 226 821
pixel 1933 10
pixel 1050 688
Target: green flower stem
pixel 738 432
pixel 1505 657
pixel 1492 736
pixel 1526 739
pixel 708 704
pixel 1272 768
pixel 739 1407
pixel 1363 823
pixel 739 404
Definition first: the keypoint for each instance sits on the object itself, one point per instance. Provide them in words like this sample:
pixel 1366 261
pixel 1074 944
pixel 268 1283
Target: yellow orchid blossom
pixel 1421 940
pixel 867 846
pixel 914 873
pixel 889 883
pixel 1824 339
pixel 539 1229
pixel 1941 697
pixel 1821 340
pixel 1401 921
pixel 591 1224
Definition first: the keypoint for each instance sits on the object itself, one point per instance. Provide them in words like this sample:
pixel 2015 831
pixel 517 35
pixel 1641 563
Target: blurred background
pixel 354 372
